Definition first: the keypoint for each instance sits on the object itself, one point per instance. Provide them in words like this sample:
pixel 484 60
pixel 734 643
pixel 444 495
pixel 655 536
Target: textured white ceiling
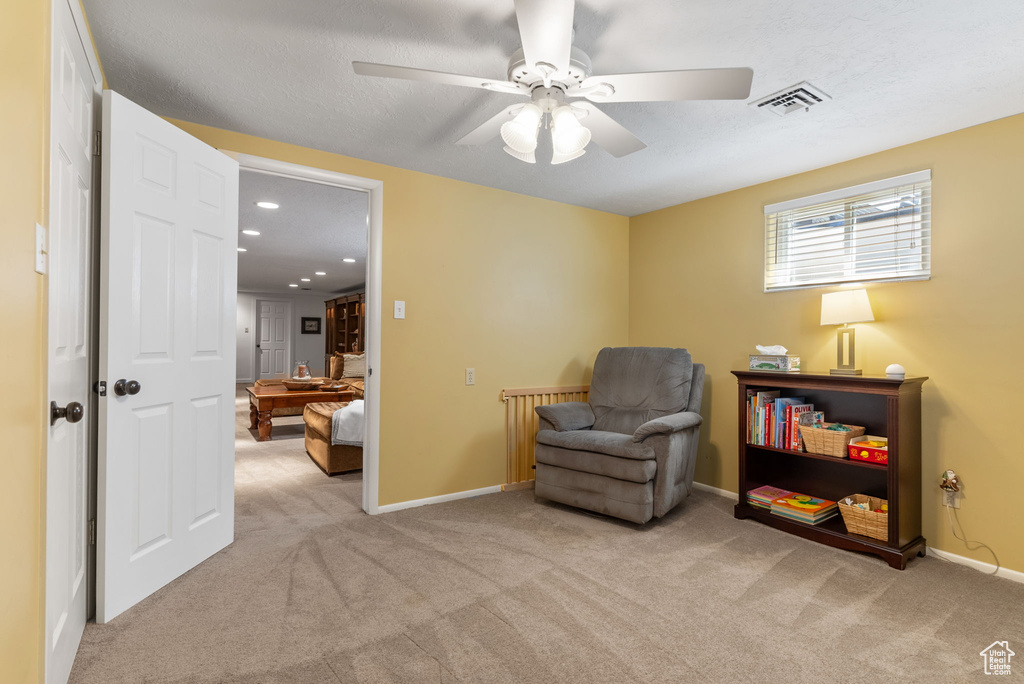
pixel 898 70
pixel 315 228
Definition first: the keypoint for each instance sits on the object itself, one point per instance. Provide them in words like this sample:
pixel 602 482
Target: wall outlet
pixel 399 309
pixel 470 376
pixel 951 499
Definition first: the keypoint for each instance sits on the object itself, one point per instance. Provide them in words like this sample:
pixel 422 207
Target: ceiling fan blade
pixel 411 74
pixel 545 27
pixel 489 129
pixel 609 133
pixel 662 86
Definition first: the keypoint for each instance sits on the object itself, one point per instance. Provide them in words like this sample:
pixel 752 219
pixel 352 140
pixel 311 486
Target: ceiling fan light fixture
pixel 520 133
pixel 528 157
pixel 557 158
pixel 568 135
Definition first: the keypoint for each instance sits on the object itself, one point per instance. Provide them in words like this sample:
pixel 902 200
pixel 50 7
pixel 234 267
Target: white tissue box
pixel 783 362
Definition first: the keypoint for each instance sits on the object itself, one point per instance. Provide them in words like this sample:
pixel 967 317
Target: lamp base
pixel 845 371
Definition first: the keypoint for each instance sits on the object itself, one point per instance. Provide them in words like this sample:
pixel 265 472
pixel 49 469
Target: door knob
pixel 73 412
pixel 123 387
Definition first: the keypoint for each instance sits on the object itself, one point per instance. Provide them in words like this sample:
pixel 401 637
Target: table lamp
pixel 843 308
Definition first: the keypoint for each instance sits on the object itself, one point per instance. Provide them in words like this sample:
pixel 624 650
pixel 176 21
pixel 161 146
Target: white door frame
pixel 374 272
pixel 256 338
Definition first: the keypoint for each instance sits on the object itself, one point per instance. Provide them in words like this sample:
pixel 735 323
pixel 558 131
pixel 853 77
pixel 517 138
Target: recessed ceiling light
pixel 305 280
pixel 349 261
pixel 293 285
pixel 251 232
pixel 320 273
pixel 267 205
pixel 242 249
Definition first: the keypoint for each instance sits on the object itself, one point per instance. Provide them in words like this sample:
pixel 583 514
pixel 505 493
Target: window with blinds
pixel 876 231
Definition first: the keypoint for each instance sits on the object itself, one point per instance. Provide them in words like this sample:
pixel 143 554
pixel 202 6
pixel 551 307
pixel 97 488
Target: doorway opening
pixel 308 313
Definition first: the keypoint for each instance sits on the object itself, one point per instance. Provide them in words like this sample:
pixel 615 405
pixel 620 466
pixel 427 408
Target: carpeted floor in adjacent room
pixel 504 588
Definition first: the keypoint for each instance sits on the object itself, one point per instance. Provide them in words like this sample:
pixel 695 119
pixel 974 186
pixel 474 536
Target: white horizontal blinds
pixel 876 231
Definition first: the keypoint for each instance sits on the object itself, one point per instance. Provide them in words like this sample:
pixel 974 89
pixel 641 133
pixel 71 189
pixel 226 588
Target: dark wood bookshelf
pixel 884 406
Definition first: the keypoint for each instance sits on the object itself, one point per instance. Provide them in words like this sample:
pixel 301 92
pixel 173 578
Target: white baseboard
pixel 715 490
pixel 388 508
pixel 981 566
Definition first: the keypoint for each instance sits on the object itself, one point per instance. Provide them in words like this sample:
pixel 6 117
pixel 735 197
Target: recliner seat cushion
pixel 628 469
pixel 632 385
pixel 610 443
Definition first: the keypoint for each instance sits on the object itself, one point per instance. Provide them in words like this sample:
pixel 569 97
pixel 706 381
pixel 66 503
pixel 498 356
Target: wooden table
pixel 263 400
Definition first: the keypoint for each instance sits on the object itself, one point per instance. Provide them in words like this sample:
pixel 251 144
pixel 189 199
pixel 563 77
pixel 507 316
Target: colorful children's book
pixel 762 497
pixel 763 405
pixel 808 509
pixel 793 425
pixel 781 405
pixel 815 520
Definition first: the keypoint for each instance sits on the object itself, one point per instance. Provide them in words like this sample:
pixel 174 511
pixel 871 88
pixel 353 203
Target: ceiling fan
pixel 557 78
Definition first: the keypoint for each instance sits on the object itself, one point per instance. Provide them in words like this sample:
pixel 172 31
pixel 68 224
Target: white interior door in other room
pixel 74 97
pixel 168 288
pixel 274 348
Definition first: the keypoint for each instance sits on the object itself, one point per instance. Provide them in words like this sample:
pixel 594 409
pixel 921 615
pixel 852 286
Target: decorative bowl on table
pixel 307 385
pixel 329 387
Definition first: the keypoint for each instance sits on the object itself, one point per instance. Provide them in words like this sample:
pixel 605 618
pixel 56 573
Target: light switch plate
pixel 41 250
pixel 470 376
pixel 399 309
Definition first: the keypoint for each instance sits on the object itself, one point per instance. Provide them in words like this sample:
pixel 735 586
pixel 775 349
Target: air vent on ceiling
pixel 802 96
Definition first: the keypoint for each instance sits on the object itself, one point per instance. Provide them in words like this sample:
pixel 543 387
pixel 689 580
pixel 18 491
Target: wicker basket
pixel 829 442
pixel 868 523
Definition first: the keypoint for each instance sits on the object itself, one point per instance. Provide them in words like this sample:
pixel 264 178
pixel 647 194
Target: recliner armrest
pixel 667 424
pixel 569 415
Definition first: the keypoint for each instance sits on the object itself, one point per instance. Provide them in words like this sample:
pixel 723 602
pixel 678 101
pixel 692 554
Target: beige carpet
pixel 507 589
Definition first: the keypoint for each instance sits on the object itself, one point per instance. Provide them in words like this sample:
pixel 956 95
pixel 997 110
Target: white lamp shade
pixel 521 132
pixel 557 158
pixel 568 136
pixel 528 157
pixel 847 306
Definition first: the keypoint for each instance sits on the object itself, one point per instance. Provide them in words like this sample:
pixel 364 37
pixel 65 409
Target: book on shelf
pixel 804 508
pixel 780 415
pixel 762 497
pixel 773 420
pixel 759 412
pixel 793 425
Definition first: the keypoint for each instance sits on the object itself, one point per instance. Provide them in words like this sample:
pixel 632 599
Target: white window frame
pixel 919 231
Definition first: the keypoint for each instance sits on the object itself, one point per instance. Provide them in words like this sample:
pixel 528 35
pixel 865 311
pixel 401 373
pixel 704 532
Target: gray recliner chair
pixel 631 449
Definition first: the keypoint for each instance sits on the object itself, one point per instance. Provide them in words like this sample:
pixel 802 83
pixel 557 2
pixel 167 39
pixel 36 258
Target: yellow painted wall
pixel 524 290
pixel 24 83
pixel 696 274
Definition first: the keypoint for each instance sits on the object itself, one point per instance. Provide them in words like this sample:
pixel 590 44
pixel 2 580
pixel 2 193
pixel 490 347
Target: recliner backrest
pixel 632 385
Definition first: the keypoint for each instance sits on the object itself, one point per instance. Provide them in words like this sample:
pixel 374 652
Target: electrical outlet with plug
pixel 950 486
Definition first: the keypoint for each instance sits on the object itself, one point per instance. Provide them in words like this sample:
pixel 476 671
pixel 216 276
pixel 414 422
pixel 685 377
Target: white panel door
pixel 168 263
pixel 275 338
pixel 74 90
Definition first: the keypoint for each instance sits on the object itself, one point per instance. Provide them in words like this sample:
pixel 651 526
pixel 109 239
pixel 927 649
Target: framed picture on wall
pixel 310 325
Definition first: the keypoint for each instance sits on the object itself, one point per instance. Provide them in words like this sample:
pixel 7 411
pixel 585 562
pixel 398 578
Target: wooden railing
pixel 521 424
